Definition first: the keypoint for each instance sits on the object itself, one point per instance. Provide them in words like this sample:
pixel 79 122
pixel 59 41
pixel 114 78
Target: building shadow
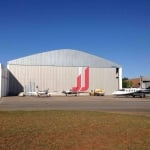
pixel 15 86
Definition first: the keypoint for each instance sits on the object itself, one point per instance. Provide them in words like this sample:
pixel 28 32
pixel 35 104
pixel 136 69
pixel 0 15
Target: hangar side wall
pixel 4 81
pixel 60 78
pixel 105 78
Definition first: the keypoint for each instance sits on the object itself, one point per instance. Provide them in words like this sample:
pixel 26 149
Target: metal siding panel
pixel 104 78
pixel 4 80
pixel 110 79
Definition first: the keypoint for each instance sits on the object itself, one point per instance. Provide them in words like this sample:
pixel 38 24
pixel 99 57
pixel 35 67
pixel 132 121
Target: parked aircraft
pixel 39 93
pixel 69 92
pixel 132 92
pixel 43 93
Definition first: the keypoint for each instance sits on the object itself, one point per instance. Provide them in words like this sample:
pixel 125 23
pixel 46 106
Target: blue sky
pixel 118 30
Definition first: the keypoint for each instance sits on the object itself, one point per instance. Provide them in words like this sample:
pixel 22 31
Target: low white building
pixel 4 81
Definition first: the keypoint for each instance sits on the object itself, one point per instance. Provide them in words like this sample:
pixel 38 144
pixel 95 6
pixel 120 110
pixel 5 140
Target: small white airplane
pixel 39 93
pixel 69 92
pixel 131 92
pixel 43 93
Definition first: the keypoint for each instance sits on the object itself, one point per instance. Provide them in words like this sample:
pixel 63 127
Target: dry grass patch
pixel 73 130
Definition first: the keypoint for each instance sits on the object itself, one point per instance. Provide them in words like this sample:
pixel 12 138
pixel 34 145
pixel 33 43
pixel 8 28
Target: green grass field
pixel 73 130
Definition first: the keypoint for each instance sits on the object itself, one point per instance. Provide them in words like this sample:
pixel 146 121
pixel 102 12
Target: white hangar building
pixel 63 69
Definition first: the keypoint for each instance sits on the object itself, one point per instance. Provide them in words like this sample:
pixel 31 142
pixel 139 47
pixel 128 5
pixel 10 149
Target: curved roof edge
pixel 65 57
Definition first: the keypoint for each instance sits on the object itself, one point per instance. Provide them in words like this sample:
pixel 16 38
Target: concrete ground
pixel 139 106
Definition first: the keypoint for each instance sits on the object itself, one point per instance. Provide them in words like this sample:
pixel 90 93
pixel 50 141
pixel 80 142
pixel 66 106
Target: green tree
pixel 126 83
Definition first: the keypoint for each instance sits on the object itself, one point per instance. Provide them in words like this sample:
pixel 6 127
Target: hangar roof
pixel 65 57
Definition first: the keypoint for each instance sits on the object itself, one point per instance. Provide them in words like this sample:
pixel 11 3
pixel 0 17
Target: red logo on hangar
pixel 82 80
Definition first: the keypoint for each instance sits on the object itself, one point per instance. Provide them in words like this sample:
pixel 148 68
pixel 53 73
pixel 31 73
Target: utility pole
pixel 141 81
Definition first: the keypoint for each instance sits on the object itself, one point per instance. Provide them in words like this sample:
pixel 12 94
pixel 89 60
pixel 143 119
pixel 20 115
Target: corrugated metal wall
pixel 59 78
pixel 4 81
pixel 104 78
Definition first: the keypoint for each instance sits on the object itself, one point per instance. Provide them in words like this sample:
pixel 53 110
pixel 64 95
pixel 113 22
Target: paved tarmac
pixel 91 103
